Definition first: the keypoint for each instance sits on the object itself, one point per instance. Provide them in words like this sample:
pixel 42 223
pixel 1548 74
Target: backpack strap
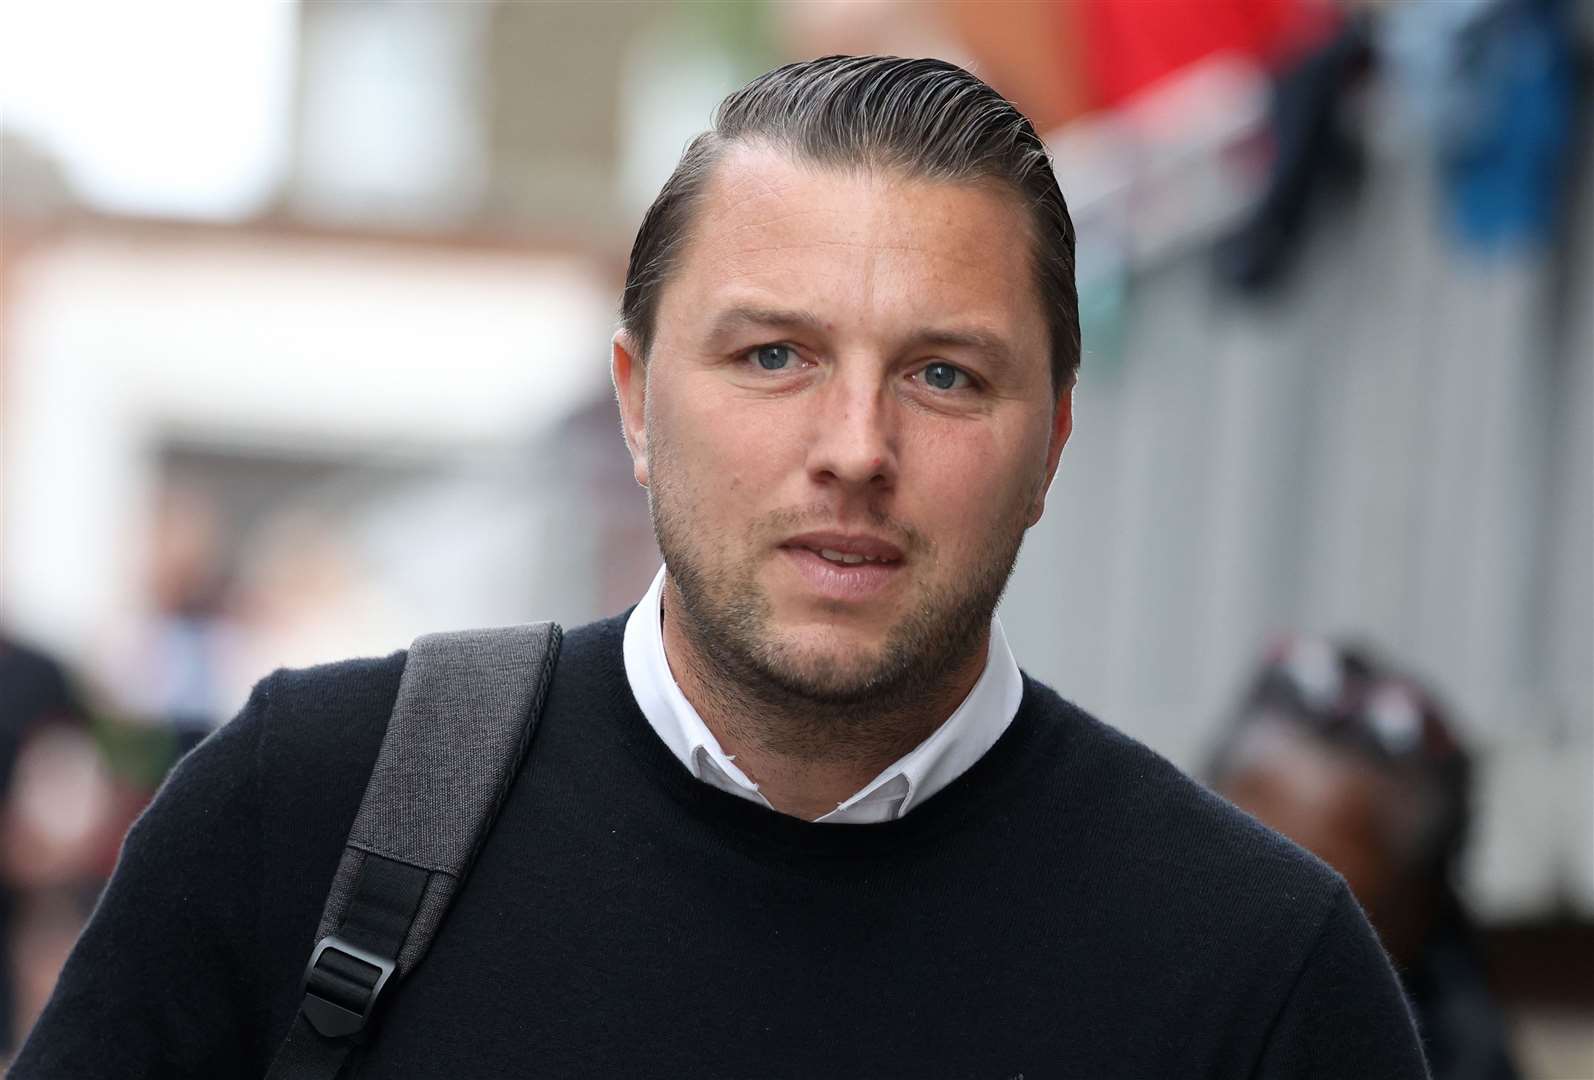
pixel 467 705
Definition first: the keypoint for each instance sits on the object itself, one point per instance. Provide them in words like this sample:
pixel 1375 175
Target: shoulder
pixel 324 719
pixel 327 722
pixel 298 726
pixel 1174 838
pixel 1180 880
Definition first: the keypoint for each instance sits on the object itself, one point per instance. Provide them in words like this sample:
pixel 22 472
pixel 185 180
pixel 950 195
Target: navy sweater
pixel 1071 906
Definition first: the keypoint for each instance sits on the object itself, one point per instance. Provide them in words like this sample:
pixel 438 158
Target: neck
pixel 808 755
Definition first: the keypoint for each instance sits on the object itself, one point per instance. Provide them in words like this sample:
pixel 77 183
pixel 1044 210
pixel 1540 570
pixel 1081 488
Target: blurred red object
pixel 1135 43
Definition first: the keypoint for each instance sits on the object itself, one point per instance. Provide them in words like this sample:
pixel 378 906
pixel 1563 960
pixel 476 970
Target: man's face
pixel 846 422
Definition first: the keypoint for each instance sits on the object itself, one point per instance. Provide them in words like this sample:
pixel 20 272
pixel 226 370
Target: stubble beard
pixel 807 702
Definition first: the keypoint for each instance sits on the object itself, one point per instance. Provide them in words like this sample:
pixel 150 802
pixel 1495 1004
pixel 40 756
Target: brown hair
pixel 925 118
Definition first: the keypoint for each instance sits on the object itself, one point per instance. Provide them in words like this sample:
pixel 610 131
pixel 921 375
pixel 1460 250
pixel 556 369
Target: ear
pixel 1062 427
pixel 630 390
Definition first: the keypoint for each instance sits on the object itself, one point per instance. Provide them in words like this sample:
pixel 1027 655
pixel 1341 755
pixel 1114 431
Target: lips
pixel 843 568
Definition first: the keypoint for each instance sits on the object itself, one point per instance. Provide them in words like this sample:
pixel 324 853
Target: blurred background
pixel 305 311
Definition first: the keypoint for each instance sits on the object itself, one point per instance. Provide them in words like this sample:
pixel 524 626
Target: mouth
pixel 846 549
pixel 841 567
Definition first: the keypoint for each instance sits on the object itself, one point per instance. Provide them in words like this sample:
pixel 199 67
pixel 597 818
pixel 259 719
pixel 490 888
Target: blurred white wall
pixel 123 342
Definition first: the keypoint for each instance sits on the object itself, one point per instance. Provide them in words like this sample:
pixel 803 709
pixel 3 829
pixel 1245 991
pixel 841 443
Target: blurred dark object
pixel 33 691
pixel 1315 151
pixel 34 695
pixel 1357 762
pixel 1546 966
pixel 1490 85
pixel 71 783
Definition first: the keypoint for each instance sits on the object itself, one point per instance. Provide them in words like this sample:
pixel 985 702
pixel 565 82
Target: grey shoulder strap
pixel 467 705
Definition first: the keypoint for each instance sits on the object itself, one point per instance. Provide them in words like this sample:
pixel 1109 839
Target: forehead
pixel 868 249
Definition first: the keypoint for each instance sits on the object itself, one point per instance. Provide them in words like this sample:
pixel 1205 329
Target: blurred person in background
pixel 798 812
pixel 171 672
pixel 34 693
pixel 1355 761
pixel 53 828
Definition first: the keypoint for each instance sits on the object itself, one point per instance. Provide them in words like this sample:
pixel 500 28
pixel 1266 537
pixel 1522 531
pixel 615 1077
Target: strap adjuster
pixel 341 986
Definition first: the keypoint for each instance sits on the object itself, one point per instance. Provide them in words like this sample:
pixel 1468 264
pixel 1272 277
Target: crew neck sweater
pixel 1070 906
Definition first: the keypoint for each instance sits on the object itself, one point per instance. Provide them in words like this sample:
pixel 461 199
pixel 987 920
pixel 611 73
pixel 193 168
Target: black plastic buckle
pixel 336 1019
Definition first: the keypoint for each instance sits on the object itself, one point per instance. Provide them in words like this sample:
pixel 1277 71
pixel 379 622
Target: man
pixel 798 813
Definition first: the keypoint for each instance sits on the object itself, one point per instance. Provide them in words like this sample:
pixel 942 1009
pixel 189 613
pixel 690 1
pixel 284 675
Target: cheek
pixel 973 479
pixel 729 453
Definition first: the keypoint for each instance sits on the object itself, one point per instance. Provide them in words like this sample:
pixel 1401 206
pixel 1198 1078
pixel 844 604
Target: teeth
pixel 844 557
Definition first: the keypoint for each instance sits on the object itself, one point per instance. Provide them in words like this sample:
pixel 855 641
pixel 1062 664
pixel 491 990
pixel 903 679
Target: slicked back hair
pixel 926 119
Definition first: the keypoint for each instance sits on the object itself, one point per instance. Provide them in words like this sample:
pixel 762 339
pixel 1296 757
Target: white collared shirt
pixel 963 739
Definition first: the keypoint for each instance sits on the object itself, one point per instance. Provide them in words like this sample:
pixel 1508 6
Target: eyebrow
pixel 739 318
pixel 991 346
pixel 732 320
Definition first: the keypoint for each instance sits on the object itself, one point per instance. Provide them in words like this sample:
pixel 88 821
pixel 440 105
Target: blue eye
pixel 942 376
pixel 773 357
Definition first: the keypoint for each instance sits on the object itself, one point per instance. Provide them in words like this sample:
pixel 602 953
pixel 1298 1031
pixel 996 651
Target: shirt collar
pixel 963 739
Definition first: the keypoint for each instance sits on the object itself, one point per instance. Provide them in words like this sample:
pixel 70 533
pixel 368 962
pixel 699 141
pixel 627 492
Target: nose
pixel 854 432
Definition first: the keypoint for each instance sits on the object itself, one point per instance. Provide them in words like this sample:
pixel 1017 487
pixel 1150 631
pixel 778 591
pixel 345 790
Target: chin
pixel 831 643
pixel 826 665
